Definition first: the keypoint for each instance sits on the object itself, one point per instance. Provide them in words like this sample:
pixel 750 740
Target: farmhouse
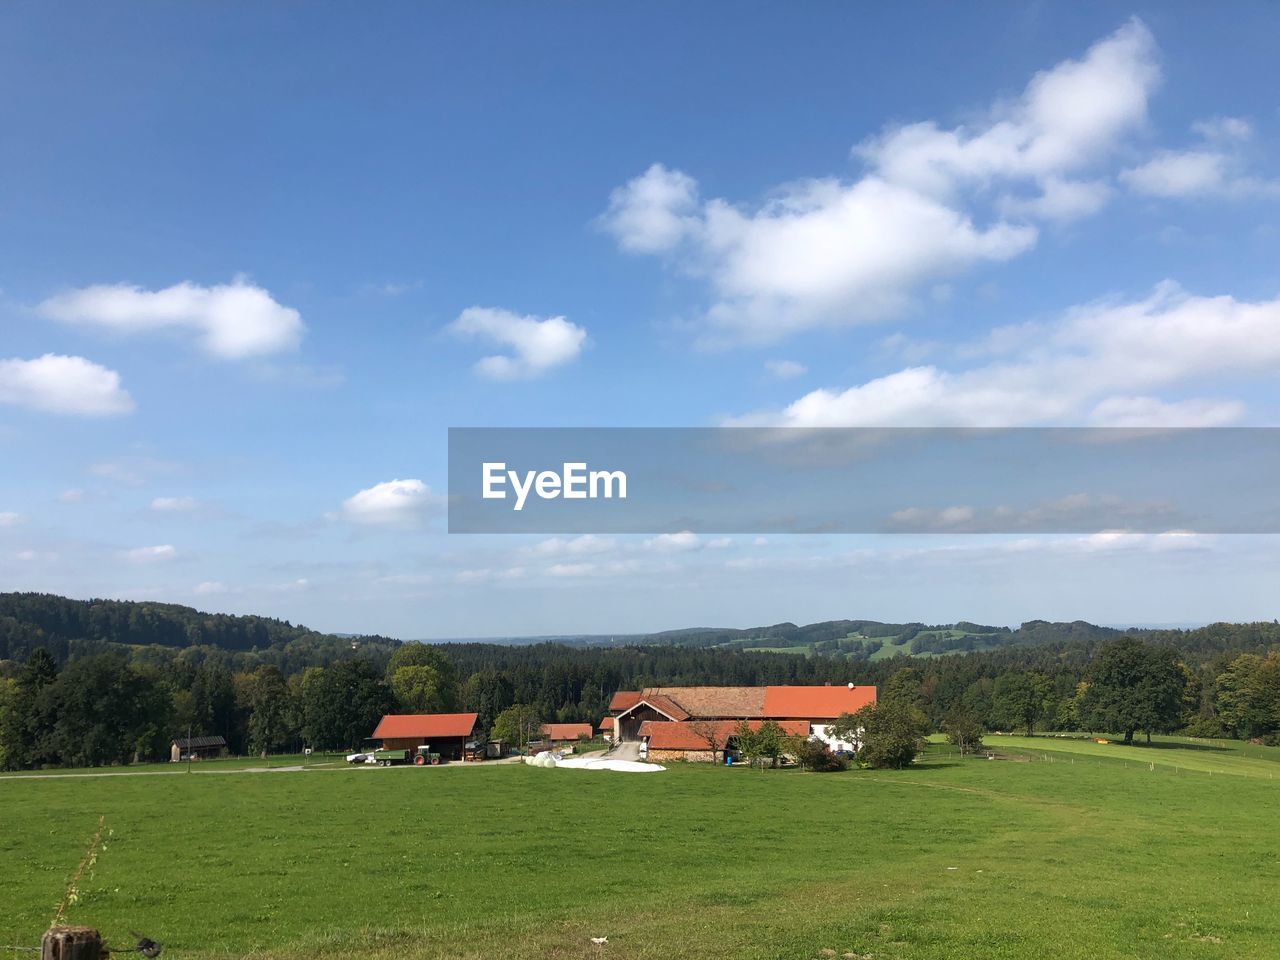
pixel 560 734
pixel 679 716
pixel 606 728
pixel 197 748
pixel 445 733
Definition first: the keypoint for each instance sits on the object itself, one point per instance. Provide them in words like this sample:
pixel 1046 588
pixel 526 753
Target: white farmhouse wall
pixel 820 732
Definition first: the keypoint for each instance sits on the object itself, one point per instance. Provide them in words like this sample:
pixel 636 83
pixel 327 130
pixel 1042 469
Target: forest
pixel 105 682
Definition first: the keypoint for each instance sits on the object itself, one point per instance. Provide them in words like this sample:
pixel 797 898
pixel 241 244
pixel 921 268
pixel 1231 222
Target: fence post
pixel 71 943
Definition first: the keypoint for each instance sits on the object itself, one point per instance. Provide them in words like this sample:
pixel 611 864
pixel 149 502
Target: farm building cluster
pixel 669 723
pixel 694 723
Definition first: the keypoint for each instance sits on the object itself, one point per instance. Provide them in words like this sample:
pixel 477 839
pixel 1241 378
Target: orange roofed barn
pixel 673 721
pixel 446 733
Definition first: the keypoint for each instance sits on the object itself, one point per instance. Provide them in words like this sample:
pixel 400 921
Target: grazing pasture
pixel 950 859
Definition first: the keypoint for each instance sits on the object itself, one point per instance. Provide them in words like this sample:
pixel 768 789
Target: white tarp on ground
pixel 548 759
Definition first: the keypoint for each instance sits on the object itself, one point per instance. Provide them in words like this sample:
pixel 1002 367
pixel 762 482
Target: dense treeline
pixel 81 684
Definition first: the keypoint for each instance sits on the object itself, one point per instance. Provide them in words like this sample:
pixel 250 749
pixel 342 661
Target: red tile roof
pixel 567 731
pixel 398 726
pixel 666 735
pixel 624 700
pixel 607 724
pixel 816 703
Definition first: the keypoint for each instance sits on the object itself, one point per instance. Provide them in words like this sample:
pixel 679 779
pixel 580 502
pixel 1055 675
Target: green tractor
pixel 420 756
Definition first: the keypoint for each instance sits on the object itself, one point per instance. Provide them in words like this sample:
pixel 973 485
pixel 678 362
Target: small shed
pixel 561 734
pixel 445 733
pixel 197 748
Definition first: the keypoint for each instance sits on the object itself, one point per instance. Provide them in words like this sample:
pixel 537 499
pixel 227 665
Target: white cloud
pixel 395 503
pixel 9 519
pixel 654 212
pixel 60 384
pixel 73 495
pixel 209 588
pixel 232 321
pixel 585 545
pixel 157 554
pixel 826 252
pixel 538 344
pixel 175 504
pixel 680 542
pixel 1214 168
pixel 785 369
pixel 1084 368
pixel 1062 200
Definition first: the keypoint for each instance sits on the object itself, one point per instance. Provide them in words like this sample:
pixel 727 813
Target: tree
pixel 269 726
pixel 422 689
pixel 433 686
pixel 747 740
pixel 890 734
pixel 814 755
pixel 771 742
pixel 100 710
pixel 20 723
pixel 518 724
pixel 1019 699
pixel 1134 686
pixel 343 703
pixel 1249 695
pixel 711 733
pixel 963 729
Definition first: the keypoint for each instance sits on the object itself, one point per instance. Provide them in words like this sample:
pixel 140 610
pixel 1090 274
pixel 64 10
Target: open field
pixel 951 859
pixel 1228 757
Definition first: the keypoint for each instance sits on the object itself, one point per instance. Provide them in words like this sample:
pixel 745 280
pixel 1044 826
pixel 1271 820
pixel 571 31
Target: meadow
pixel 1081 853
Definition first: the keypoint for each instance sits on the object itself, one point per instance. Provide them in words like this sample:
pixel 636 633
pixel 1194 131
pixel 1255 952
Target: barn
pixel 197 748
pixel 565 734
pixel 671 713
pixel 444 733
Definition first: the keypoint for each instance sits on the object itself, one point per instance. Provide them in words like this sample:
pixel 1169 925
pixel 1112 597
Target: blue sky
pixel 254 262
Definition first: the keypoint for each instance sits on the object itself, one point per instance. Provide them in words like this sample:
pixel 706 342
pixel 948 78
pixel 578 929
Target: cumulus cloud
pixel 829 252
pixel 232 321
pixel 157 554
pixel 175 504
pixel 209 588
pixel 395 503
pixel 1085 368
pixel 9 519
pixel 59 384
pixel 653 212
pixel 537 344
pixel 1215 167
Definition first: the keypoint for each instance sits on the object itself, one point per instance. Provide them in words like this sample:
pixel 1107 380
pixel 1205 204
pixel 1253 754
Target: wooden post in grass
pixel 71 943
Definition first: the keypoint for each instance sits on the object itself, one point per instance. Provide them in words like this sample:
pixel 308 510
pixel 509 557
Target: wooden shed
pixel 197 748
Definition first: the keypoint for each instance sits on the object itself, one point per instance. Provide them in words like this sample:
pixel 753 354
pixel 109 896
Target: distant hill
pixel 867 639
pixel 62 626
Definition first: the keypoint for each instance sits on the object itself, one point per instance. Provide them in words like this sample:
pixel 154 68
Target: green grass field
pixel 1097 858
